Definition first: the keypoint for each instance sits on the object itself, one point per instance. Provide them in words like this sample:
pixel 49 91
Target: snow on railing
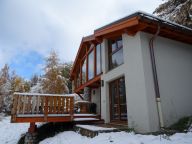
pixel 39 94
pixel 35 104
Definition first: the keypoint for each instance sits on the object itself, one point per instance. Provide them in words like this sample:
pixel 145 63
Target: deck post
pixel 32 127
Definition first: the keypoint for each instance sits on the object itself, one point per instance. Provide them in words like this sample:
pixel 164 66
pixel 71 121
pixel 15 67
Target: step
pixel 92 130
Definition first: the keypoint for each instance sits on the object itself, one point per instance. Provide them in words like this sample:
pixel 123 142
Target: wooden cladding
pixel 41 105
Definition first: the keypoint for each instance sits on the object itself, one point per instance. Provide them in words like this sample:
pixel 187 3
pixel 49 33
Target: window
pixel 91 65
pixel 115 52
pixel 78 78
pixel 98 59
pixel 84 71
pixel 118 100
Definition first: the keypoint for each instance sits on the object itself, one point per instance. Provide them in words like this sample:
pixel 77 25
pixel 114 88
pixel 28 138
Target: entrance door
pixel 118 100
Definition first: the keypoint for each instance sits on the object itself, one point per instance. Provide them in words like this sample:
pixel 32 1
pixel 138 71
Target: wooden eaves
pixel 138 21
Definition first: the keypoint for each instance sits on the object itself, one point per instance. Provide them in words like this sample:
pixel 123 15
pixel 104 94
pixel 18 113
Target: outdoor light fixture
pixel 102 83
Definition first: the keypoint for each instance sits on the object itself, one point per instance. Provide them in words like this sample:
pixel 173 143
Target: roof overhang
pixel 132 24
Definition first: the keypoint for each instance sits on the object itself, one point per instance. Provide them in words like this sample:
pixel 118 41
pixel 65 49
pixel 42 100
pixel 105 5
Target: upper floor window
pixel 98 59
pixel 83 71
pixel 91 65
pixel 115 52
pixel 78 81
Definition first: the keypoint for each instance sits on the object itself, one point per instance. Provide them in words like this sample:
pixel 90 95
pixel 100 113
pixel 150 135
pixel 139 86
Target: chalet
pixel 138 71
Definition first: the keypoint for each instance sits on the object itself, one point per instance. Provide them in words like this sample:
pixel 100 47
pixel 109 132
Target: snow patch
pixel 82 114
pixel 84 119
pixel 10 133
pixel 94 128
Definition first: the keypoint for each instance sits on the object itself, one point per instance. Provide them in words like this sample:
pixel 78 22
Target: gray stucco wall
pixel 141 105
pixel 174 67
pixel 174 70
pixel 95 98
pixel 141 102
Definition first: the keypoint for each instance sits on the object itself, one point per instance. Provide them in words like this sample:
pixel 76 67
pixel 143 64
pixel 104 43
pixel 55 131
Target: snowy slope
pixel 70 137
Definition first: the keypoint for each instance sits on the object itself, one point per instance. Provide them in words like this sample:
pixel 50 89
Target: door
pixel 118 105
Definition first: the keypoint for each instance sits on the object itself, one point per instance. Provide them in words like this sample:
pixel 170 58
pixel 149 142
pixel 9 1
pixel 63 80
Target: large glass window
pixel 84 71
pixel 91 65
pixel 78 78
pixel 98 59
pixel 115 52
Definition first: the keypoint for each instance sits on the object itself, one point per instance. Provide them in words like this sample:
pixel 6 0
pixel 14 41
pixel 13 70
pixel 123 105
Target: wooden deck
pixel 46 108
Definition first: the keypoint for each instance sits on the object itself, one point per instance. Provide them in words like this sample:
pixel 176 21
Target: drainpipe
pixel 155 78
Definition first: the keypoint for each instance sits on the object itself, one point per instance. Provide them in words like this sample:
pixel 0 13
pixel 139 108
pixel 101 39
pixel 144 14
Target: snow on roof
pixel 148 16
pixel 153 17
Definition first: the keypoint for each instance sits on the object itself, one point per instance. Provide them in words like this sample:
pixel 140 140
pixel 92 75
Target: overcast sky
pixel 30 29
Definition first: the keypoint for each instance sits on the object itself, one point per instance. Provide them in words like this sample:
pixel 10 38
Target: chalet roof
pixel 149 17
pixel 131 24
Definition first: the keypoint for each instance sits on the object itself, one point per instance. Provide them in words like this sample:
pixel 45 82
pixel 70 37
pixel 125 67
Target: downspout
pixel 155 78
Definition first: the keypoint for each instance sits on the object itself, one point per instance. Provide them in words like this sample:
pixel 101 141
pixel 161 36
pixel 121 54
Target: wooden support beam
pixel 32 127
pixel 80 96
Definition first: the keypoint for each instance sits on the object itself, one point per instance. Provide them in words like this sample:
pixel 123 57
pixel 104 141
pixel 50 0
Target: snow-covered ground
pixel 11 132
pixel 71 137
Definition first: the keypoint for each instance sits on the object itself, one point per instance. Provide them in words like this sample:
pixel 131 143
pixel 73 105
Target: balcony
pixel 28 107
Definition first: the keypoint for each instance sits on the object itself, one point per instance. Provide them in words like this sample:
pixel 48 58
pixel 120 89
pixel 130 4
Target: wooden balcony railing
pixel 39 107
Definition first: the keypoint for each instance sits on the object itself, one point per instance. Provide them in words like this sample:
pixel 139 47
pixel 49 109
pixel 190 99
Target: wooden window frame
pixel 88 49
pixel 111 53
pixel 116 81
pixel 81 67
pixel 99 60
pixel 91 50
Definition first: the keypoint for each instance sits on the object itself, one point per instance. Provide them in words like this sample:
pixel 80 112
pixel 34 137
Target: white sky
pixel 42 25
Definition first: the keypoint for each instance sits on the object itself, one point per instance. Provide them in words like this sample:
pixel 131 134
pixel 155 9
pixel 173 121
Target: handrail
pixel 40 94
pixel 35 104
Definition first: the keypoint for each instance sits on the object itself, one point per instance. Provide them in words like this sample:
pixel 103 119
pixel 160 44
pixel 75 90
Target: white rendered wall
pixel 174 70
pixel 174 67
pixel 95 98
pixel 142 112
pixel 141 103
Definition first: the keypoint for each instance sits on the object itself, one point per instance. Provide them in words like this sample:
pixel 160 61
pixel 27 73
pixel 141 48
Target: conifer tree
pixel 66 68
pixel 53 82
pixel 5 86
pixel 178 11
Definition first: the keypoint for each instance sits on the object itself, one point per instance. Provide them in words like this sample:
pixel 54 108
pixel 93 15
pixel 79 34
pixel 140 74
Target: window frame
pixel 100 60
pixel 88 49
pixel 91 51
pixel 82 63
pixel 111 53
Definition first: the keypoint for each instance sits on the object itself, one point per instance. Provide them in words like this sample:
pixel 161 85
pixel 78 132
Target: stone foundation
pixel 31 135
pixel 87 93
pixel 30 138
